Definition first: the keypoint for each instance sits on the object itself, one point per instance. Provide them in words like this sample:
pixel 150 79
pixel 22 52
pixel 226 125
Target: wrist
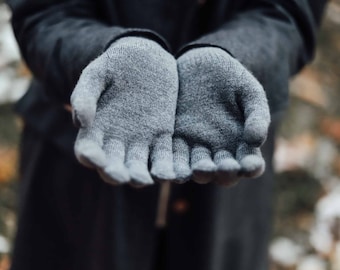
pixel 136 41
pixel 138 46
pixel 142 33
pixel 206 54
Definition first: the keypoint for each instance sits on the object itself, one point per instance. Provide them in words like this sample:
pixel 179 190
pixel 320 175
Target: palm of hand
pixel 134 116
pixel 222 118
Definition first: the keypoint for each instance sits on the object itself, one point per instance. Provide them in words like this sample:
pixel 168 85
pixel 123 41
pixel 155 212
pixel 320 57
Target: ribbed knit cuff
pixel 135 32
pixel 200 55
pixel 191 46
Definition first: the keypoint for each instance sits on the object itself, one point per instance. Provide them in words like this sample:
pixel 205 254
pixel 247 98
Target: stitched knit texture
pixel 221 121
pixel 125 103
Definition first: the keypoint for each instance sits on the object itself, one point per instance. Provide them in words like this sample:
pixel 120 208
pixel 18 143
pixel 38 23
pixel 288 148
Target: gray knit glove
pixel 221 121
pixel 125 103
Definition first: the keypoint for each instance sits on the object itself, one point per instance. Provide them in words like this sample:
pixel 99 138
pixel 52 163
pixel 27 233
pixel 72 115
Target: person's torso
pixel 178 21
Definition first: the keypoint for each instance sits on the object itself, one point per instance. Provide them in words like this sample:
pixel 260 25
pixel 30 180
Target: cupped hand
pixel 222 118
pixel 125 103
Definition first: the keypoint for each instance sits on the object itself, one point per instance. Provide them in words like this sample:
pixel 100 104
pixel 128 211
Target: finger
pixel 137 164
pixel 84 98
pixel 227 168
pixel 256 111
pixel 251 160
pixel 181 160
pixel 115 171
pixel 202 165
pixel 88 147
pixel 162 158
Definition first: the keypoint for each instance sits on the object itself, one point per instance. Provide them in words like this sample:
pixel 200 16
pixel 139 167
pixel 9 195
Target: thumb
pixel 85 95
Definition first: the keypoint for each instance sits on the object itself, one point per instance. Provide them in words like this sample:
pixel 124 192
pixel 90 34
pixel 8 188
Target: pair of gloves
pixel 144 115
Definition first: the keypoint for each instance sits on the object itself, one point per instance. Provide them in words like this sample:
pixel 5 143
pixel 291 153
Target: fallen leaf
pixel 331 127
pixel 8 163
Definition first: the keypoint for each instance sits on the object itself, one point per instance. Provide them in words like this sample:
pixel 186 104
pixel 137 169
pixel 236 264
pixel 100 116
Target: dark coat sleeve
pixel 58 39
pixel 274 39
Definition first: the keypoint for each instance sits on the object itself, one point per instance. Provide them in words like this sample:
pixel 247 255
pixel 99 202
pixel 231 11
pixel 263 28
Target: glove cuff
pixel 191 46
pixel 197 56
pixel 142 33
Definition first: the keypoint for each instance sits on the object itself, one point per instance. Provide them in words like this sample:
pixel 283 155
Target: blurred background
pixel 306 233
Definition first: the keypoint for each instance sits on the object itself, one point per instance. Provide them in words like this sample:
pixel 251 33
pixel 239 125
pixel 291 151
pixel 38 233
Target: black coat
pixel 58 38
pixel 72 220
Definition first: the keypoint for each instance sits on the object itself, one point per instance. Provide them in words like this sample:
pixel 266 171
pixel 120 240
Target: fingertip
pixel 163 170
pixel 84 106
pixel 252 166
pixel 226 181
pixel 255 133
pixel 203 177
pixel 89 154
pixel 83 116
pixel 75 119
pixel 115 174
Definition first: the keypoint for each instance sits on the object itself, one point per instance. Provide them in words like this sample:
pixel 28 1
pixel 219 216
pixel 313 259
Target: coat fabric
pixel 274 39
pixel 69 218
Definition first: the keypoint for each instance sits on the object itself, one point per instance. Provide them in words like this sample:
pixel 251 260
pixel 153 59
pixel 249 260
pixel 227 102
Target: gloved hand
pixel 125 102
pixel 222 118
